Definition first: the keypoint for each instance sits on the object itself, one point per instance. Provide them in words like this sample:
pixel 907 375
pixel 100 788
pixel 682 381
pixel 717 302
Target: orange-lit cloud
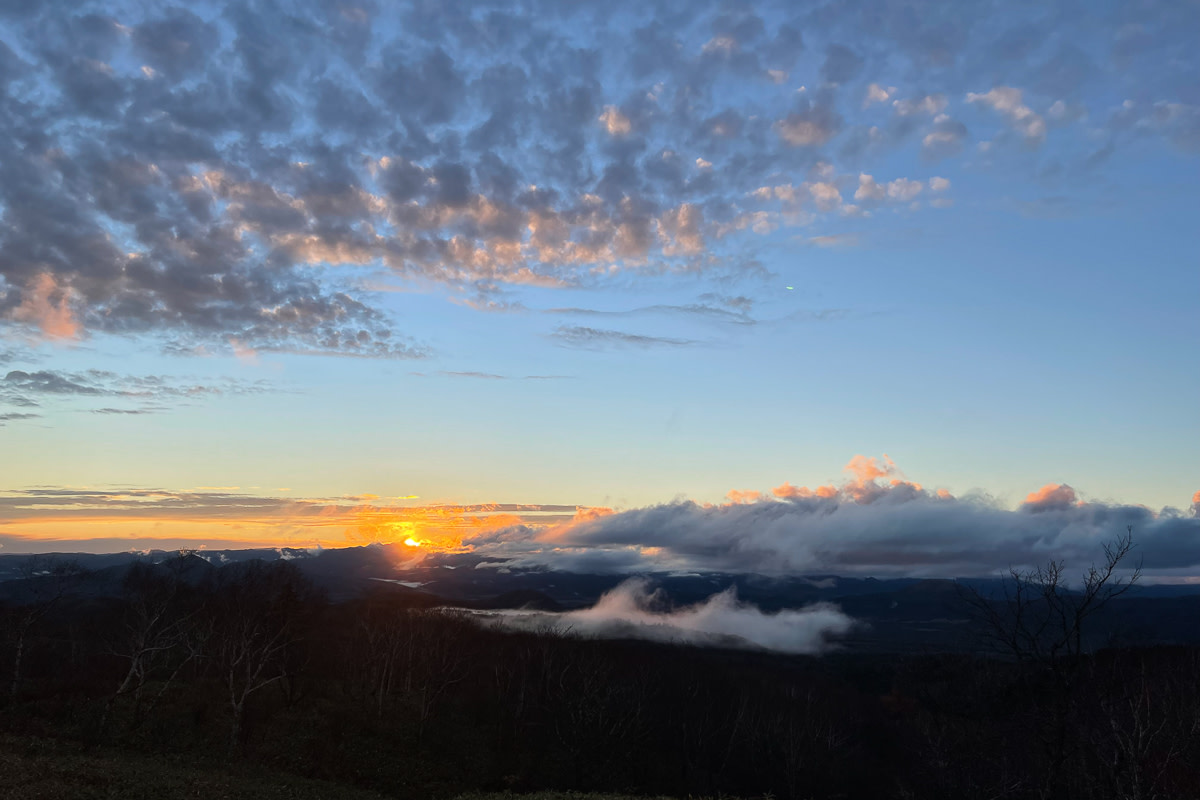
pixel 790 527
pixel 585 513
pixel 243 353
pixel 865 468
pixel 860 488
pixel 867 526
pixel 1052 495
pixel 789 492
pixel 47 305
pixel 432 528
pixel 739 496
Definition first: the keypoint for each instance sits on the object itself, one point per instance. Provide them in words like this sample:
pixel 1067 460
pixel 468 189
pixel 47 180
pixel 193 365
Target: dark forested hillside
pixel 252 663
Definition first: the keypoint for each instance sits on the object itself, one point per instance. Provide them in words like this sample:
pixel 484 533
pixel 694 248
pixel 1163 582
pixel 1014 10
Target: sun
pixel 411 542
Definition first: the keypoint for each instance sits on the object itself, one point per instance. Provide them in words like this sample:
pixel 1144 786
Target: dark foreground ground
pixel 46 769
pixel 251 683
pixel 50 769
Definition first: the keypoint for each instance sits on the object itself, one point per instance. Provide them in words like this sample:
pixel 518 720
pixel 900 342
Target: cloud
pixel 876 522
pixel 835 240
pixel 633 610
pixel 931 104
pixel 871 194
pixel 616 123
pixel 489 376
pixel 56 518
pixel 868 468
pixel 1063 113
pixel 868 191
pixel 823 195
pixel 904 190
pixel 743 496
pixel 877 94
pixel 244 354
pixel 944 140
pixel 46 305
pixel 682 230
pixel 484 375
pixel 50 382
pixel 584 513
pixel 1178 122
pixel 39 387
pixel 826 196
pixel 1009 102
pixel 197 178
pixel 594 338
pixel 1052 496
pixel 841 64
pixel 809 128
pixel 736 313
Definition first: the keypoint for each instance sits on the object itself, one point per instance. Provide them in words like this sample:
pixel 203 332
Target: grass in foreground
pixel 47 769
pixel 40 769
pixel 559 796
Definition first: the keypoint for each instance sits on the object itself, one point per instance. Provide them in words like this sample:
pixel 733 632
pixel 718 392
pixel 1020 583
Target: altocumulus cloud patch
pixel 227 173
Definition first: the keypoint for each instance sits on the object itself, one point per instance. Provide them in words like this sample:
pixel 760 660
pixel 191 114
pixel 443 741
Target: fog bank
pixel 634 610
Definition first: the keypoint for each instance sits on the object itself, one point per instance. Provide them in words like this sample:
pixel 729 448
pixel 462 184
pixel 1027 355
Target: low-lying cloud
pixel 634 610
pixel 874 523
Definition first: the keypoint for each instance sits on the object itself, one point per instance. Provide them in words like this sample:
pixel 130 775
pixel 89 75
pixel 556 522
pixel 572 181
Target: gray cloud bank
pixel 874 524
pixel 226 171
pixel 633 610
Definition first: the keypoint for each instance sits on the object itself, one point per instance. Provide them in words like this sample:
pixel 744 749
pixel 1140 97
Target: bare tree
pixel 437 658
pixel 381 638
pixel 159 633
pixel 44 582
pixel 257 618
pixel 1145 721
pixel 1040 618
pixel 810 737
pixel 601 713
pixel 1041 621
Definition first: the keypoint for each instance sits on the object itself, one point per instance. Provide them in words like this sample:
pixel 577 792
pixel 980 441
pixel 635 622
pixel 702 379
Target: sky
pixel 471 273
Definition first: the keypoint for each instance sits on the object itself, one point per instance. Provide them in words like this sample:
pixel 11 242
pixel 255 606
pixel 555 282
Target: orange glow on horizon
pixel 39 520
pixel 158 521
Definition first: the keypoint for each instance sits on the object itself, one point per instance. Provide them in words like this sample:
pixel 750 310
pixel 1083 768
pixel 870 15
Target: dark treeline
pixel 251 662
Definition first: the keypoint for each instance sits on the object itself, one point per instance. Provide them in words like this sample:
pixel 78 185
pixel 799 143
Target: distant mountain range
pixel 899 614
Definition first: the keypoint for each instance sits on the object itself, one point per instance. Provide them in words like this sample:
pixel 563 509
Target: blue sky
pixel 598 254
